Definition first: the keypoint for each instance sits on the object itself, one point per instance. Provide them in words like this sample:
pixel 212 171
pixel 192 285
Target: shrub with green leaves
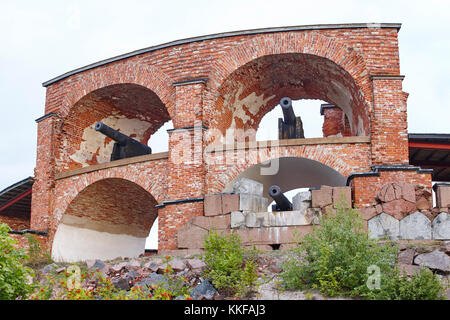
pixel 14 276
pixel 35 253
pixel 423 285
pixel 228 268
pixel 335 257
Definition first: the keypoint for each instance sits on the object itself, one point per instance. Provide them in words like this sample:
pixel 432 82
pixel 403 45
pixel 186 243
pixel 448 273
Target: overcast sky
pixel 43 39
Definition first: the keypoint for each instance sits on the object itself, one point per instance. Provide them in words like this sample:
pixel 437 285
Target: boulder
pixel 118 267
pixel 386 193
pixel 423 204
pixel 440 227
pixel 396 191
pixel 195 264
pixel 94 264
pixel 121 283
pixel 383 226
pixel 152 266
pixel 406 256
pixel 408 191
pixel 399 208
pixel 368 212
pixel 152 280
pixel 203 291
pixel 437 260
pixel 177 265
pixel 49 268
pixel 131 275
pixel 409 269
pixel 416 226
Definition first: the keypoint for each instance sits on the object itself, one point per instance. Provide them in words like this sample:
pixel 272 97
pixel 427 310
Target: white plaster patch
pixel 93 142
pixel 253 103
pixel 73 244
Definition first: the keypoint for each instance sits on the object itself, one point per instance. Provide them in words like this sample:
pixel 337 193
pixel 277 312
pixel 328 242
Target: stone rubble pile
pixel 150 271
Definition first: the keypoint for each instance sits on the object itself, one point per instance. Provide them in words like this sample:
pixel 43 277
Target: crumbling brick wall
pixel 208 87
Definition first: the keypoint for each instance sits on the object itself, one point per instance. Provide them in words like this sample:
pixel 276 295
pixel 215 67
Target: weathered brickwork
pixel 14 220
pixel 216 91
pixel 344 158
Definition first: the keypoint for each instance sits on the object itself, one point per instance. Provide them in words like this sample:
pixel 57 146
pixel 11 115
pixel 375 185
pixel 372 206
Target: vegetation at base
pixel 60 286
pixel 423 285
pixel 15 278
pixel 336 259
pixel 230 268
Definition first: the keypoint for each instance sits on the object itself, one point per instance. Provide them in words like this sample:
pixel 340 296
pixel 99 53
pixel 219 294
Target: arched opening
pixel 108 219
pixel 293 175
pixel 128 108
pixel 255 88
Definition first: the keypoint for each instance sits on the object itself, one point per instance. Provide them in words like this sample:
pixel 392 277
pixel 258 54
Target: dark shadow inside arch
pixel 292 173
pixel 108 219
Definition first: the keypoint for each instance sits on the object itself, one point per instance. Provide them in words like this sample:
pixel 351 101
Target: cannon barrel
pixel 110 132
pixel 288 111
pixel 125 147
pixel 282 203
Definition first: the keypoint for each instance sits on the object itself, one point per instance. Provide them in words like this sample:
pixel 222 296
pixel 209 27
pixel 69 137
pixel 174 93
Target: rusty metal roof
pixel 431 151
pixel 17 197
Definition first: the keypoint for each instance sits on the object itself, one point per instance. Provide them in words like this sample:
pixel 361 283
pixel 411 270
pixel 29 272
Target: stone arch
pixel 130 108
pixel 219 176
pixel 293 173
pixel 322 55
pixel 108 218
pixel 127 71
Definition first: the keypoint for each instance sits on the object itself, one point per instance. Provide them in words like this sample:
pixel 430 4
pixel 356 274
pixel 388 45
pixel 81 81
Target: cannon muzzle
pixel 125 147
pixel 282 203
pixel 288 111
pixel 110 132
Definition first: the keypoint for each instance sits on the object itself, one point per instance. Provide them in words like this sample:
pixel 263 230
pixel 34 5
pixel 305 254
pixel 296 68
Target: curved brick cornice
pixel 128 72
pixel 308 43
pixel 66 190
pixel 329 155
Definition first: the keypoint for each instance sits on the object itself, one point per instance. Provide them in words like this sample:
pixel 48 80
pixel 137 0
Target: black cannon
pixel 290 127
pixel 125 147
pixel 282 203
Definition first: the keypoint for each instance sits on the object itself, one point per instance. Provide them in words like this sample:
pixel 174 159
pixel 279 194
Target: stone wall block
pixel 322 197
pixel 230 202
pixel 383 226
pixel 416 226
pixel 342 195
pixel 213 205
pixel 248 186
pixel 301 201
pixel 440 227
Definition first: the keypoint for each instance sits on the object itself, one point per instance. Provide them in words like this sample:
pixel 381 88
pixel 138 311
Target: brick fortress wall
pixel 212 87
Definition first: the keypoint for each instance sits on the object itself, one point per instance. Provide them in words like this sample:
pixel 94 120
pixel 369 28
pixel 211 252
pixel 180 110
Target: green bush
pixel 335 257
pixel 36 256
pixel 423 285
pixel 14 276
pixel 228 268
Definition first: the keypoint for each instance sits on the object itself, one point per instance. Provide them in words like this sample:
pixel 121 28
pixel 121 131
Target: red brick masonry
pixel 210 87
